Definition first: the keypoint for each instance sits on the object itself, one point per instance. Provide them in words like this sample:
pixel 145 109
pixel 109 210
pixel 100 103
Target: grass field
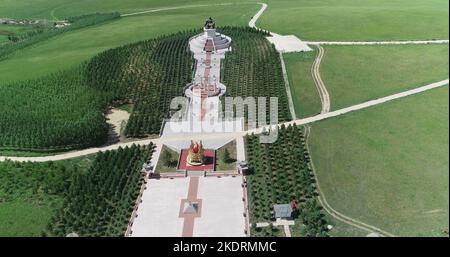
pixel 304 92
pixel 161 167
pixel 358 20
pixel 3 39
pixel 388 165
pixel 338 20
pixel 221 165
pixel 6 30
pixel 58 9
pixel 356 74
pixel 72 48
pixel 14 29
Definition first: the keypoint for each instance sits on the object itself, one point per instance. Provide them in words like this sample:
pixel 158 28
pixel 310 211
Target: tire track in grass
pixel 315 72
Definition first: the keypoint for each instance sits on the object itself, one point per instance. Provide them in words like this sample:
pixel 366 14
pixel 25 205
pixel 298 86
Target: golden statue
pixel 195 154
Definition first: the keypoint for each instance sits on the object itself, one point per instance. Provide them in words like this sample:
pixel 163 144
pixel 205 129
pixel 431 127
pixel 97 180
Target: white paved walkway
pixel 240 149
pixel 221 210
pixel 159 210
pixel 283 44
pixel 400 42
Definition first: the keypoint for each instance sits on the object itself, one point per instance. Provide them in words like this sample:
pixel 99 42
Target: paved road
pixel 207 136
pixel 399 42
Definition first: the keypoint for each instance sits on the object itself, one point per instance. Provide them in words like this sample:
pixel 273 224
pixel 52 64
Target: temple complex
pixel 202 114
pixel 202 199
pixel 208 48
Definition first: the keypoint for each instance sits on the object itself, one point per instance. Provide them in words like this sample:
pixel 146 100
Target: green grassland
pixel 221 163
pixel 354 74
pixel 6 29
pixel 71 48
pixel 172 162
pixel 358 20
pixel 12 30
pixel 388 165
pixel 57 9
pixel 3 39
pixel 357 74
pixel 304 92
pixel 308 19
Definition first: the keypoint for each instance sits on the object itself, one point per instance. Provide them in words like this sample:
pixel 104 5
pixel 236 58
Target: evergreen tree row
pixel 66 110
pixel 280 173
pixel 56 112
pixel 253 69
pixel 100 201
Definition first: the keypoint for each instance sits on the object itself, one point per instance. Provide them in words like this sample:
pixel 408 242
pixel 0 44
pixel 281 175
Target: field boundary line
pixel 326 206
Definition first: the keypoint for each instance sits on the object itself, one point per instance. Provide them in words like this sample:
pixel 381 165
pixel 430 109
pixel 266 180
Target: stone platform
pixel 208 165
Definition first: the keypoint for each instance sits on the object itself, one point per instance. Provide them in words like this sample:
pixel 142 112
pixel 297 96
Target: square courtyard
pixel 191 206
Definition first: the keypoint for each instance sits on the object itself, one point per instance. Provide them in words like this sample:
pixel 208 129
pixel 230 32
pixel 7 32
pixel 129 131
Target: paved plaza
pixel 164 210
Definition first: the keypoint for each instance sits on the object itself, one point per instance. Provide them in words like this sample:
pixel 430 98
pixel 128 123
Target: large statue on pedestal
pixel 195 155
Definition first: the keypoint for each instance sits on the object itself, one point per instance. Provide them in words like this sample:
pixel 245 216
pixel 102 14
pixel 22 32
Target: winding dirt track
pixel 315 72
pixel 171 8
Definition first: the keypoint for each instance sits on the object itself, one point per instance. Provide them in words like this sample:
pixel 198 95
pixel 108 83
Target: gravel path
pixel 252 22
